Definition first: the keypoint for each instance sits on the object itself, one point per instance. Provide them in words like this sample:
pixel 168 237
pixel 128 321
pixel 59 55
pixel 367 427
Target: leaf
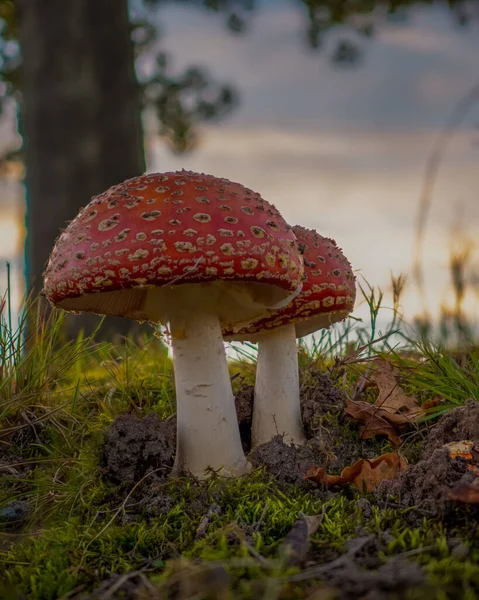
pixel 392 409
pixel 465 492
pixel 386 467
pixel 364 474
pixel 295 545
pixel 374 422
pixel 392 398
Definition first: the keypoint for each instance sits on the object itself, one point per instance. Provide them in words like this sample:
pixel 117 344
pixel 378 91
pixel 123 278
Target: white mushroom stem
pixel 277 408
pixel 207 425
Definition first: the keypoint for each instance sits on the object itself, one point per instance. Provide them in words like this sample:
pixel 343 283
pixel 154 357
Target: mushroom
pixel 197 253
pixel 327 296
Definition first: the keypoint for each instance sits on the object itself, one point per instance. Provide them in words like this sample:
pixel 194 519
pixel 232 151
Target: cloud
pixel 428 35
pixel 281 81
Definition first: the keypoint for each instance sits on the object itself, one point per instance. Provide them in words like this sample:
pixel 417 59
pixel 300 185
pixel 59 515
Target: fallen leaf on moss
pixel 465 492
pixel 392 409
pixel 364 474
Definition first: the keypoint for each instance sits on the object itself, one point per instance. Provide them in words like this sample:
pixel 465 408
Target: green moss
pixel 255 513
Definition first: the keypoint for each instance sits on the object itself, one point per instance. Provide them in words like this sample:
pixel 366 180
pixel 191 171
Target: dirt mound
pixel 426 484
pixel 461 423
pixel 134 447
pixel 288 464
pixel 285 463
pixel 318 399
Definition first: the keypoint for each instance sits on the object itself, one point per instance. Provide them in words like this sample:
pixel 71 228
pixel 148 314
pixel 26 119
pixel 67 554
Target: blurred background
pixel 356 118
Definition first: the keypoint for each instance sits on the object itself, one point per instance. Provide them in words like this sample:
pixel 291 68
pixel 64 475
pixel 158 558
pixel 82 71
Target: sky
pixel 342 150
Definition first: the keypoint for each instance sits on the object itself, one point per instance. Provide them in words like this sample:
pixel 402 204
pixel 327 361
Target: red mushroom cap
pixel 327 295
pixel 166 229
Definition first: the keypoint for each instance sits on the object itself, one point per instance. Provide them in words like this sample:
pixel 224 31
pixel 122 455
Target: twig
pixel 414 552
pixel 4 432
pixel 259 557
pixel 205 521
pixel 117 585
pixel 25 416
pixel 26 463
pixel 330 566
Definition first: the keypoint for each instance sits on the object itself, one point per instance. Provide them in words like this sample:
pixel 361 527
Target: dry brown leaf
pixel 392 409
pixel 294 547
pixel 386 467
pixel 465 492
pixel 319 475
pixel 392 398
pixel 374 422
pixel 364 474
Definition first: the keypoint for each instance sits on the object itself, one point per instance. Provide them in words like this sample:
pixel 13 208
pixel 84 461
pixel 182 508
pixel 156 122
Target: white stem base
pixel 277 407
pixel 207 426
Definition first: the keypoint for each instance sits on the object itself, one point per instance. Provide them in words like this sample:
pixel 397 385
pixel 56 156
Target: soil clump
pixel 135 447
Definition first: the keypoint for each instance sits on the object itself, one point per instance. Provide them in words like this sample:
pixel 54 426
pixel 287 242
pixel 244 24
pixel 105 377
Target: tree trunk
pixel 80 116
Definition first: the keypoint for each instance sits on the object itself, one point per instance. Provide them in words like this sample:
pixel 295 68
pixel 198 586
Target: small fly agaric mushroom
pixel 327 296
pixel 192 251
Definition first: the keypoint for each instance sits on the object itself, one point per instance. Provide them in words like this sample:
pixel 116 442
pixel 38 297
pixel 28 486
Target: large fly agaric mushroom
pixel 327 296
pixel 192 251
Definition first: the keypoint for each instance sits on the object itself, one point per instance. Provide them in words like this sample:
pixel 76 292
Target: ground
pixel 110 522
